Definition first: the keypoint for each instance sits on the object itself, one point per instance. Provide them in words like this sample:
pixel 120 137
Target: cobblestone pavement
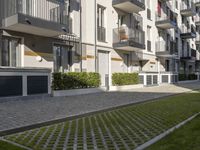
pixel 25 112
pixel 120 129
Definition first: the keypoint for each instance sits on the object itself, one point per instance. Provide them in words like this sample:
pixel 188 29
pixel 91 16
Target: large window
pixel 148 38
pixel 62 58
pixel 9 52
pixel 101 31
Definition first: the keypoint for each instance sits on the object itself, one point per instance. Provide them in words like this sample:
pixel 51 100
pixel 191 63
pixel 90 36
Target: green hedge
pixel 119 79
pixel 184 77
pixel 192 77
pixel 75 80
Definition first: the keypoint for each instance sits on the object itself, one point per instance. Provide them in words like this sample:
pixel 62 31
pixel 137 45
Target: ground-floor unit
pixel 64 54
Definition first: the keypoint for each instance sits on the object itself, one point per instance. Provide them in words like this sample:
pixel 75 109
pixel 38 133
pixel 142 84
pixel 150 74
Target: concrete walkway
pixel 20 113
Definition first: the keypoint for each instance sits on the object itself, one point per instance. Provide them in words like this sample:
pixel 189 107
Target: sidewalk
pixel 20 113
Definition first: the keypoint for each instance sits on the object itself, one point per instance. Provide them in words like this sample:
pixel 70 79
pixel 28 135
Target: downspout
pixel 95 35
pixel 80 40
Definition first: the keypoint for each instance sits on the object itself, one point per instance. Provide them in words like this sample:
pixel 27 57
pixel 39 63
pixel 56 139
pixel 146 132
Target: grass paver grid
pixel 124 128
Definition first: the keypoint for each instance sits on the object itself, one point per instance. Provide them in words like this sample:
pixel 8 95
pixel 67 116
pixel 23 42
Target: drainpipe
pixel 95 35
pixel 80 40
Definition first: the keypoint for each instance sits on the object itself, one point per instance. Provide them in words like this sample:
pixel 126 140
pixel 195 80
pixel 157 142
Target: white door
pixel 103 66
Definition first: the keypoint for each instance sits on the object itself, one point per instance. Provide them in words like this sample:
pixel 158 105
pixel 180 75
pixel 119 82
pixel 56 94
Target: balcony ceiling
pixel 165 24
pixel 35 26
pixel 128 46
pixel 166 54
pixel 188 12
pixel 129 6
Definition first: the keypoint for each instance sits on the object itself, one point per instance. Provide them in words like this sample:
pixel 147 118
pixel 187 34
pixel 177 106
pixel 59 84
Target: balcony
pixel 128 39
pixel 166 50
pixel 197 3
pixel 187 9
pixel 166 21
pixel 129 6
pixel 190 57
pixel 45 18
pixel 188 33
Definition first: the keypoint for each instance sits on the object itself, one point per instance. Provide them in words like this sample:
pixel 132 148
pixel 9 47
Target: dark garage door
pixel 37 85
pixel 10 86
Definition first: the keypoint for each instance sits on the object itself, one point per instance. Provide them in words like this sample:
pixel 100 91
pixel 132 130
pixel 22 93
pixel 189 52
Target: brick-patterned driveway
pixel 20 113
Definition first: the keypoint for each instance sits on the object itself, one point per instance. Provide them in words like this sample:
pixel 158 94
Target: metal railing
pixel 190 29
pixel 185 5
pixel 124 33
pixel 47 10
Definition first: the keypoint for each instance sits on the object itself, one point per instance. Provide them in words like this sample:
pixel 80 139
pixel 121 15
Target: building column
pixel 159 70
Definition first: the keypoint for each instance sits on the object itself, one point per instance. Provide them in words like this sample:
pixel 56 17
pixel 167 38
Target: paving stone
pixel 25 112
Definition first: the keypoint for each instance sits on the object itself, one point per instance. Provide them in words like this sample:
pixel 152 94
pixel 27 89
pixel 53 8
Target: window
pixel 176 4
pixel 148 38
pixel 149 9
pixel 167 65
pixel 9 52
pixel 101 31
pixel 63 58
pixel 183 47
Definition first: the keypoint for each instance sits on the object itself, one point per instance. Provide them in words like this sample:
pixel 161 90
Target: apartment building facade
pixel 105 36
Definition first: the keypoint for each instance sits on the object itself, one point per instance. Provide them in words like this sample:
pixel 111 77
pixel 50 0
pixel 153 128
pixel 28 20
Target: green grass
pixel 8 146
pixel 184 138
pixel 120 128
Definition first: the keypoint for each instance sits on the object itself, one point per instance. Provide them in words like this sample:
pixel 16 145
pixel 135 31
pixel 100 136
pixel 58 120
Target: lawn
pixel 185 138
pixel 124 128
pixel 8 146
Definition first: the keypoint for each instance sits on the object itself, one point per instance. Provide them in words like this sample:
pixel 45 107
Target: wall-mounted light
pixel 64 29
pixel 28 21
pixel 39 59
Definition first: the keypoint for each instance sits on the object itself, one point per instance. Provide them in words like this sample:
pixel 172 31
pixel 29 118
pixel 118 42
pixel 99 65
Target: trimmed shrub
pixel 182 77
pixel 57 82
pixel 119 79
pixel 192 77
pixel 75 80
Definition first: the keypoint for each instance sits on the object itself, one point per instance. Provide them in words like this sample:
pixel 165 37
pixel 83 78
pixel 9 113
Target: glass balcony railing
pixel 166 16
pixel 123 34
pixel 169 48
